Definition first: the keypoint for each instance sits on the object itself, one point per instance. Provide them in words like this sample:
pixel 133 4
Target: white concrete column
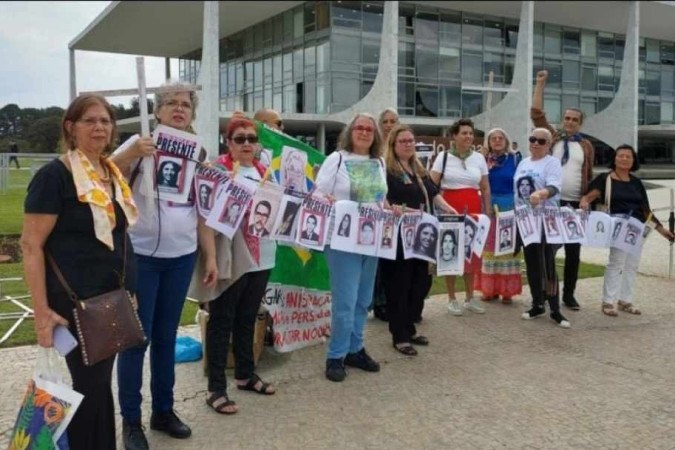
pixel 167 68
pixel 321 138
pixel 209 97
pixel 71 73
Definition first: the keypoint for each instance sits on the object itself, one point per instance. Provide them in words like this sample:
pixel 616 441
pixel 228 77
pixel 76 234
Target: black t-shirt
pixel 628 197
pixel 89 267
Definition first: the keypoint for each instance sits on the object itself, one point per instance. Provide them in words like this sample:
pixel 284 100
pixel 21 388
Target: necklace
pixel 618 177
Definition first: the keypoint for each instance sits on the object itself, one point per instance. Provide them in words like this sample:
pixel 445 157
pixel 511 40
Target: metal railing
pixel 36 160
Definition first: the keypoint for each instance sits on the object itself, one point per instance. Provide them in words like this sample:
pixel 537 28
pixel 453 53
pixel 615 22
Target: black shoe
pixel 380 312
pixel 362 360
pixel 571 303
pixel 133 436
pixel 560 319
pixel 170 424
pixel 335 370
pixel 534 312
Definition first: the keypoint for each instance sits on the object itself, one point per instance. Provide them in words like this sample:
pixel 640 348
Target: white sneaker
pixel 454 308
pixel 473 306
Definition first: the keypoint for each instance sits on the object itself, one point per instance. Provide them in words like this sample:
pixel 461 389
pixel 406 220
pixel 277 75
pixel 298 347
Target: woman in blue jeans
pixel 165 243
pixel 353 172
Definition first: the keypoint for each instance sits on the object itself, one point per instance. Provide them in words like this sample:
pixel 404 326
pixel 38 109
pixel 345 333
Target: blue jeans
pixel 352 278
pixel 162 286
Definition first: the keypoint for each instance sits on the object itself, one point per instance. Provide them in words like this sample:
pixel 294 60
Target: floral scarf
pixel 90 189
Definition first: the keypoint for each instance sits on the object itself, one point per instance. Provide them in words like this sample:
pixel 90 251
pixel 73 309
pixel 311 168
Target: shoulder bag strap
pixel 608 191
pixel 337 171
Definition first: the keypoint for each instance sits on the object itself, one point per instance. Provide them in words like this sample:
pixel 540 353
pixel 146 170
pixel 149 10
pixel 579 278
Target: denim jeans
pixel 162 286
pixel 352 278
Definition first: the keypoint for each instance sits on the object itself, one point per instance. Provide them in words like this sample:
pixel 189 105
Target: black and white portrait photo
pixel 169 174
pixel 387 235
pixel 425 240
pixel 366 232
pixel 525 187
pixel 345 225
pixel 286 225
pixel 309 230
pixel 469 235
pixel 448 250
pixel 205 195
pixel 233 209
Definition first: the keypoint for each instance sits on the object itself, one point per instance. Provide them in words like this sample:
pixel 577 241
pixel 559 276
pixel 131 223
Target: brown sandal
pixel 629 308
pixel 608 309
pixel 218 406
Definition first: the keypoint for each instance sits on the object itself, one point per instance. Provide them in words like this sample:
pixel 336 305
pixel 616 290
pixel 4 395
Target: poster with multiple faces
pixel 365 230
pixel 175 162
pixel 231 204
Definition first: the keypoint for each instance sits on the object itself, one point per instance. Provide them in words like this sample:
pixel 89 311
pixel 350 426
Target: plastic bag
pixel 188 349
pixel 47 408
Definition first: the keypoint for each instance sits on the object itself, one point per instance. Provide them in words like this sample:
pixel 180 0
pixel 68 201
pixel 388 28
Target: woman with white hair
pixel 499 275
pixel 545 173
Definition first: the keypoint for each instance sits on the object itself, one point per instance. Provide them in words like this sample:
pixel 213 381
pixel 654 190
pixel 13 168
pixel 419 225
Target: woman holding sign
pixel 353 172
pixel 544 173
pixel 165 243
pixel 407 281
pixel 628 196
pixel 499 275
pixel 462 175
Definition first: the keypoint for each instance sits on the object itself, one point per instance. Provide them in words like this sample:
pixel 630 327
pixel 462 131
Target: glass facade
pixel 322 57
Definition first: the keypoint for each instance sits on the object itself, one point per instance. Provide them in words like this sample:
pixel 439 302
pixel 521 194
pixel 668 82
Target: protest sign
pixel 264 209
pixel 505 233
pixel 408 226
pixel 481 234
pixel 450 245
pixel 207 182
pixel 571 226
pixel 529 225
pixel 552 225
pixel 364 229
pixel 344 231
pixel 292 170
pixel 598 229
pixel 230 206
pixel 470 229
pixel 630 239
pixel 426 238
pixel 618 225
pixel 176 162
pixel 285 225
pixel 388 235
pixel 314 219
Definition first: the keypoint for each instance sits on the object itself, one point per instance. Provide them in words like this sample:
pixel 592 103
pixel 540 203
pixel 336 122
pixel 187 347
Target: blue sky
pixel 34 40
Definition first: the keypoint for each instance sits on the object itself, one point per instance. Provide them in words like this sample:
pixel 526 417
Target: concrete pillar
pixel 71 73
pixel 167 68
pixel 321 138
pixel 207 123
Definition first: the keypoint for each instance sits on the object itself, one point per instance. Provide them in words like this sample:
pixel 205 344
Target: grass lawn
pixel 11 203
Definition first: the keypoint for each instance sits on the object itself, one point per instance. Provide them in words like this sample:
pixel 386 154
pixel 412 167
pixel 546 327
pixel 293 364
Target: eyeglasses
pixel 175 104
pixel 405 141
pixel 251 138
pixel 539 141
pixel 260 213
pixel 365 128
pixel 92 121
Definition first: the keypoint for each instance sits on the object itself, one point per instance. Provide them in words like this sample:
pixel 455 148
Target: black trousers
pixel 93 425
pixel 234 312
pixel 406 285
pixel 572 258
pixel 541 274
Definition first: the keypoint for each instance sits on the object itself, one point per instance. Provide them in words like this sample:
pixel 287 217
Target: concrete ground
pixel 486 381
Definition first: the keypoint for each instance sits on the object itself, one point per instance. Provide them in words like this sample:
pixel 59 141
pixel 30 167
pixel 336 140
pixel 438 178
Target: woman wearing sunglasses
pixel 235 272
pixel 462 175
pixel 544 175
pixel 353 172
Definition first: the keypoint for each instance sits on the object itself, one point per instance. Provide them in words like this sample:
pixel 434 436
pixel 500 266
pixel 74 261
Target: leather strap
pixel 73 296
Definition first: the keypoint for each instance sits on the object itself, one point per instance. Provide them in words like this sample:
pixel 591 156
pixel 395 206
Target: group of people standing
pixel 85 208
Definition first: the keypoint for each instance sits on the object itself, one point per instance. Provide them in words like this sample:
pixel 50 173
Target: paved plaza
pixel 486 381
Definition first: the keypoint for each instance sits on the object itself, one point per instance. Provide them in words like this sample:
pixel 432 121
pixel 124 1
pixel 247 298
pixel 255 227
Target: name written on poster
pixel 177 146
pixel 316 206
pixel 238 192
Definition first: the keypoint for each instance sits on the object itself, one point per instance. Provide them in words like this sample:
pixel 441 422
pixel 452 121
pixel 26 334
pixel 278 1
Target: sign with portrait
pixel 505 233
pixel 292 169
pixel 552 225
pixel 264 209
pixel 450 244
pixel 572 228
pixel 314 216
pixel 630 239
pixel 175 163
pixel 231 203
pixel 598 230
pixel 365 230
pixel 286 222
pixel 426 238
pixel 482 232
pixel 207 182
pixel 528 221
pixel 407 227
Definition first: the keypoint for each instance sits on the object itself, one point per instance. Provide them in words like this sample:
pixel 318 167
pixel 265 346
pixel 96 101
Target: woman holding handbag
pixel 624 193
pixel 76 211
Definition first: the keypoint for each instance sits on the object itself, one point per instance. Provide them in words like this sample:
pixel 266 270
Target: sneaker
pixel 571 303
pixel 362 360
pixel 454 308
pixel 335 370
pixel 134 436
pixel 560 319
pixel 533 313
pixel 473 306
pixel 170 424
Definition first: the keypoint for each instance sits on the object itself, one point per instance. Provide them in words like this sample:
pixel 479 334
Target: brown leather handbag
pixel 106 324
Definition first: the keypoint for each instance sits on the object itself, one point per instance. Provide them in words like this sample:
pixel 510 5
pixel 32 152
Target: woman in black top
pixel 87 243
pixel 628 196
pixel 407 281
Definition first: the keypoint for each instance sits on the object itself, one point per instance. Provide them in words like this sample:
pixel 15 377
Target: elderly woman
pixel 353 172
pixel 77 210
pixel 462 175
pixel 165 243
pixel 407 281
pixel 499 275
pixel 628 196
pixel 545 173
pixel 235 272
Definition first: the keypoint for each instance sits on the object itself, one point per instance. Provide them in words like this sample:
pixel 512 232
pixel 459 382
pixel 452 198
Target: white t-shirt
pixel 534 175
pixel 455 176
pixel 571 172
pixel 169 234
pixel 268 247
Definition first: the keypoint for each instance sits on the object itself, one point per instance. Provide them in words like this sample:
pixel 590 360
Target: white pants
pixel 620 276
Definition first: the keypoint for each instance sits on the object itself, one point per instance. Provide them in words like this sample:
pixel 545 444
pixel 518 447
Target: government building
pixel 319 63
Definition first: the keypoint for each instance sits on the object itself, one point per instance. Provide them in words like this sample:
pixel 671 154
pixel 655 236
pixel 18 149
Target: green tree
pixel 43 134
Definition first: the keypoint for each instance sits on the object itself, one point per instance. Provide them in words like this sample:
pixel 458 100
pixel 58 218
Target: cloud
pixel 34 39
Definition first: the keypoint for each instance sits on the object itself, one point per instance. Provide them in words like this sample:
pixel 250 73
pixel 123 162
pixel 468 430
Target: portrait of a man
pixel 387 235
pixel 309 231
pixel 469 234
pixel 551 225
pixel 231 213
pixel 408 237
pixel 505 241
pixel 448 250
pixel 572 230
pixel 261 215
pixel 366 232
pixel 525 187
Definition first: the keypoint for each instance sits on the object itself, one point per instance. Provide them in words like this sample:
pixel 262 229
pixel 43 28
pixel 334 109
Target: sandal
pixel 251 383
pixel 406 349
pixel 221 407
pixel 608 309
pixel 419 340
pixel 629 308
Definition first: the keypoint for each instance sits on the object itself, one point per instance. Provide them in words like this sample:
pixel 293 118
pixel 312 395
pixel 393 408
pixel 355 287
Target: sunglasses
pixel 539 141
pixel 280 123
pixel 365 128
pixel 251 138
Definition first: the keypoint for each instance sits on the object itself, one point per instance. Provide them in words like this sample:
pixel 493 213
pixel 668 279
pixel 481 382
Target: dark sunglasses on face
pixel 280 123
pixel 251 138
pixel 539 141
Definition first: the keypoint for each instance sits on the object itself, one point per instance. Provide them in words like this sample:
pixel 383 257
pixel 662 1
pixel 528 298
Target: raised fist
pixel 542 75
